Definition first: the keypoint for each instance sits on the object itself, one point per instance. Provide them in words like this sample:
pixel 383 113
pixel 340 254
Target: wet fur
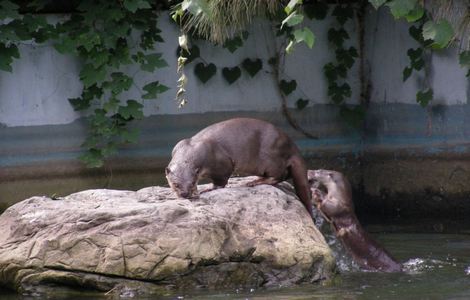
pixel 241 146
pixel 337 207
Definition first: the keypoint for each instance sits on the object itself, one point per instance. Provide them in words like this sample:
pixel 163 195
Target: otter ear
pixel 198 170
pixel 167 171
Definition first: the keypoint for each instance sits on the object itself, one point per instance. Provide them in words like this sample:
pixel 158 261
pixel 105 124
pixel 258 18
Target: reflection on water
pixel 436 267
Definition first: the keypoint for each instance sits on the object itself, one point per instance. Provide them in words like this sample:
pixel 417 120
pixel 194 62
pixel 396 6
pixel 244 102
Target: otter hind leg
pixel 263 180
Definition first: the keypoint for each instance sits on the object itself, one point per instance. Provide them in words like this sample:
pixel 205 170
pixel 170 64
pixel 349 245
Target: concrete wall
pixel 41 134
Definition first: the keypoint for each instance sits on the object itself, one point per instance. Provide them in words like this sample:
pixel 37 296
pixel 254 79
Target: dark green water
pixel 437 267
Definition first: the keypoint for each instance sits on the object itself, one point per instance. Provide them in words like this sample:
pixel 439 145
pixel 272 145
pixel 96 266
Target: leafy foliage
pixel 440 33
pixel 294 18
pixel 103 35
pixel 99 33
pixel 336 71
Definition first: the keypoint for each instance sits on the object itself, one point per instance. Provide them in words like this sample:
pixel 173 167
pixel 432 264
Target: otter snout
pixel 186 195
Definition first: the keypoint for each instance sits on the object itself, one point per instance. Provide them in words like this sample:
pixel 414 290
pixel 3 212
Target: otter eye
pixel 198 170
pixel 167 171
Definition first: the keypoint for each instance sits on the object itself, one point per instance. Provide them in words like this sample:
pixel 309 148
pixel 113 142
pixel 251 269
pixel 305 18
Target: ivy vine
pixel 106 37
pixel 110 38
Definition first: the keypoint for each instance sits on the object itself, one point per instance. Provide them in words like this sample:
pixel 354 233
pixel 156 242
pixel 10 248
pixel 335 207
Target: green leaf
pixel 133 110
pixel 416 33
pixel 287 87
pixel 301 103
pixel 33 22
pixel 316 10
pixel 423 98
pixel 377 3
pixel 464 58
pixel 401 8
pixel 291 5
pixel 99 58
pixel 292 19
pixel 9 10
pixel 346 57
pixel 233 44
pixel 343 13
pixel 111 105
pixel 7 53
pixel 252 67
pixel 337 37
pixel 196 7
pixel 416 14
pixel 231 74
pixel 79 104
pixel 65 45
pixel 90 75
pixel 414 54
pixel 109 149
pixel 120 82
pixel 153 89
pixel 205 72
pixel 134 5
pixel 93 158
pixel 339 93
pixel 89 40
pixel 418 64
pixel 407 73
pixel 330 72
pixel 114 14
pixel 130 136
pixel 152 62
pixel 304 35
pixel 441 33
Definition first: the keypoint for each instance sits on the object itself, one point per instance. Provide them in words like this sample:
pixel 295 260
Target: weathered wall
pixel 396 162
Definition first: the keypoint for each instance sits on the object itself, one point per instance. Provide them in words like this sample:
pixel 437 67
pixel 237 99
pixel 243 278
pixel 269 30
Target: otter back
pixel 242 146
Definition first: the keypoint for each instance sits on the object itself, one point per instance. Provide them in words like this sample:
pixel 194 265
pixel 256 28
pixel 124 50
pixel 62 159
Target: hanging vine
pixel 107 37
pixel 111 38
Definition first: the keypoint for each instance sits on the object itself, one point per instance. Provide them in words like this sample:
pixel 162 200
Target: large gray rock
pixel 149 241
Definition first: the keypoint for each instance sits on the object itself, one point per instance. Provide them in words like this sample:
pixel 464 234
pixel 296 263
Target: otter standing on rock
pixel 243 146
pixel 338 209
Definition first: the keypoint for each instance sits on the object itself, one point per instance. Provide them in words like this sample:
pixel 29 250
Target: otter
pixel 243 146
pixel 338 209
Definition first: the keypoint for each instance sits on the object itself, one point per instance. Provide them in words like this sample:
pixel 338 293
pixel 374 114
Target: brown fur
pixel 337 207
pixel 243 146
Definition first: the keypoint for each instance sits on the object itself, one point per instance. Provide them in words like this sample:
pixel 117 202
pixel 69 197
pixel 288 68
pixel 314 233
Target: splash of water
pixel 344 261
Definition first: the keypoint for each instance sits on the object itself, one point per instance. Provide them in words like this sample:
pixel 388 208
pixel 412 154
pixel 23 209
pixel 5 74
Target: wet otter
pixel 243 146
pixel 337 207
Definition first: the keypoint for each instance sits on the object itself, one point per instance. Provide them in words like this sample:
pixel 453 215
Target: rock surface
pixel 149 241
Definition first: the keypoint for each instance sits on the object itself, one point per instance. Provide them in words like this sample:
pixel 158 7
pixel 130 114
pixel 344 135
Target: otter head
pixel 183 179
pixel 336 201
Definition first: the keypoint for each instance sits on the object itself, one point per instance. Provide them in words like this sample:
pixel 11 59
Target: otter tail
pixel 298 172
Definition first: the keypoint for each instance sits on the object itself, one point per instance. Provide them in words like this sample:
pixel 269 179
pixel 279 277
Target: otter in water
pixel 338 209
pixel 243 146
